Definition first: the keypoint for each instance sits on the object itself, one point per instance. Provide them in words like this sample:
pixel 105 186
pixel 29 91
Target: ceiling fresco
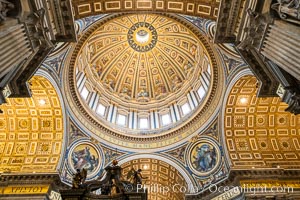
pixel 31 130
pixel 258 132
pixel 230 57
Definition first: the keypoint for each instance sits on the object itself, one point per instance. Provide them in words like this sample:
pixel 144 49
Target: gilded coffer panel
pixel 202 8
pixel 31 130
pixel 259 133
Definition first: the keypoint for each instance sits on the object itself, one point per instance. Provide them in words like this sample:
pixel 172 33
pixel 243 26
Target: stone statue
pixel 293 102
pixel 5 6
pixel 288 10
pixel 37 19
pixel 254 31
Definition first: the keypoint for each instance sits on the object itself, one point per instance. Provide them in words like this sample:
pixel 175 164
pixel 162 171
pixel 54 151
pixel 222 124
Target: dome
pixel 142 74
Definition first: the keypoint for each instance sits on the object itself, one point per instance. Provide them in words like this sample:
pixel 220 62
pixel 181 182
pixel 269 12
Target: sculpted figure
pixel 5 6
pixel 254 31
pixel 288 10
pixel 135 176
pixel 79 178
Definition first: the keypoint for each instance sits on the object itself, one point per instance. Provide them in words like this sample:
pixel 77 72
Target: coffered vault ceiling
pixel 158 175
pixel 31 130
pixel 202 8
pixel 143 76
pixel 258 132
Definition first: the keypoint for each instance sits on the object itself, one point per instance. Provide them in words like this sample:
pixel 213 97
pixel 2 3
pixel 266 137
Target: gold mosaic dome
pixel 142 74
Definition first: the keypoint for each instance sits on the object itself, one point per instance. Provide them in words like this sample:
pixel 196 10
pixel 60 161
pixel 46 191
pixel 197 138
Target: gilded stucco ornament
pixel 288 10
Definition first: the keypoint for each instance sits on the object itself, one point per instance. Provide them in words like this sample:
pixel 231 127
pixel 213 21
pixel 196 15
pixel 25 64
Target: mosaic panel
pixel 82 153
pixel 84 156
pixel 203 157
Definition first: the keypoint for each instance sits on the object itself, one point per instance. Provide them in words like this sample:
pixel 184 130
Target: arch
pixel 45 74
pixel 235 76
pixel 183 172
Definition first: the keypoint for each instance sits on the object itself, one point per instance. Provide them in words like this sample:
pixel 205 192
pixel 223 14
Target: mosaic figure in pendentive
pixel 86 157
pixel 205 157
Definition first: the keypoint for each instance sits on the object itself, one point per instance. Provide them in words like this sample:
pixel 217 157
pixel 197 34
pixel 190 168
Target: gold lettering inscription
pixel 26 189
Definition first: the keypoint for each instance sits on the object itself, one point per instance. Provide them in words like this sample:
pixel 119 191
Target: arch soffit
pixel 206 9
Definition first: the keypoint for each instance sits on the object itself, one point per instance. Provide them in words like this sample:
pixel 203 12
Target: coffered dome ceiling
pixel 143 74
pixel 143 60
